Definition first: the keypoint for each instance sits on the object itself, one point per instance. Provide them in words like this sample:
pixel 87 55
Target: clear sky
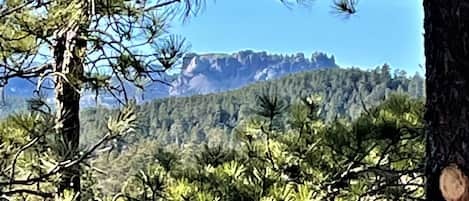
pixel 383 31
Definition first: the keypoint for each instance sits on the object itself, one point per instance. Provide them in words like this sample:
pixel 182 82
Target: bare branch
pixel 159 5
pixel 17 154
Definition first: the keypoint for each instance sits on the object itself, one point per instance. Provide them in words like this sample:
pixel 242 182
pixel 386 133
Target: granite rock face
pixel 208 73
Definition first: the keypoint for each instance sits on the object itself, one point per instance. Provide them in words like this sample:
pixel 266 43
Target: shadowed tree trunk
pixel 68 61
pixel 447 72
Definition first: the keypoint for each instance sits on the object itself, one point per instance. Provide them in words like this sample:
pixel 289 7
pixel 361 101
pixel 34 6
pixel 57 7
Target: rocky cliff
pixel 207 73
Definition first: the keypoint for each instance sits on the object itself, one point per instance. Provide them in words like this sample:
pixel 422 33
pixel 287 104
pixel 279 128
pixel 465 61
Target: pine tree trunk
pixel 70 67
pixel 447 72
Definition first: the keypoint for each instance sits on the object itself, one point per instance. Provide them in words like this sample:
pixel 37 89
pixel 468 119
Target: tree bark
pixel 446 26
pixel 69 66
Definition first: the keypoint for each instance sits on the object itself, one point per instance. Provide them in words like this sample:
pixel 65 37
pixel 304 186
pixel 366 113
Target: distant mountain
pixel 205 73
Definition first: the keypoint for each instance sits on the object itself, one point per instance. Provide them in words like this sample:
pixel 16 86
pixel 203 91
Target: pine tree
pixel 79 46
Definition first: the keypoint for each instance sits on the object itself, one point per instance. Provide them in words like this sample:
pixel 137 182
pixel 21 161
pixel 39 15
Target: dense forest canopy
pixel 181 120
pixel 282 150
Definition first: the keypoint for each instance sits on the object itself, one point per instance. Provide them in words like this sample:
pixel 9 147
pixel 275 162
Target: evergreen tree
pixel 379 156
pixel 94 45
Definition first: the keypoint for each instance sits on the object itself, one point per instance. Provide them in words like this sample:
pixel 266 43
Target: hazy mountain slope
pixel 200 74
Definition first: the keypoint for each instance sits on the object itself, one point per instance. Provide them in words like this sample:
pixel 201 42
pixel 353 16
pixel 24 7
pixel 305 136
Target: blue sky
pixel 383 31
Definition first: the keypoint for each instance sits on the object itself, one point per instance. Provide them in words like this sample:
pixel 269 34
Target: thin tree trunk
pixel 69 65
pixel 447 89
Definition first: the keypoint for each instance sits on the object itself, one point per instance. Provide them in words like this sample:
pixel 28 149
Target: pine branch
pixel 27 191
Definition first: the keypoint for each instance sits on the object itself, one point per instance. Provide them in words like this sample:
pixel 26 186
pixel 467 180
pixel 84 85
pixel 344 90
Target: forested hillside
pixel 283 152
pixel 332 134
pixel 345 93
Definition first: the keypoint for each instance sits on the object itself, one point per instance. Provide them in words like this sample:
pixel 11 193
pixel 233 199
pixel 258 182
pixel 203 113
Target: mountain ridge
pixel 212 72
pixel 202 74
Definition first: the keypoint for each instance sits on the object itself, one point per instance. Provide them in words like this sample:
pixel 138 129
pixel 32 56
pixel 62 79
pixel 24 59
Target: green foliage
pixel 278 146
pixel 25 152
pixel 192 120
pixel 378 156
pixel 30 152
